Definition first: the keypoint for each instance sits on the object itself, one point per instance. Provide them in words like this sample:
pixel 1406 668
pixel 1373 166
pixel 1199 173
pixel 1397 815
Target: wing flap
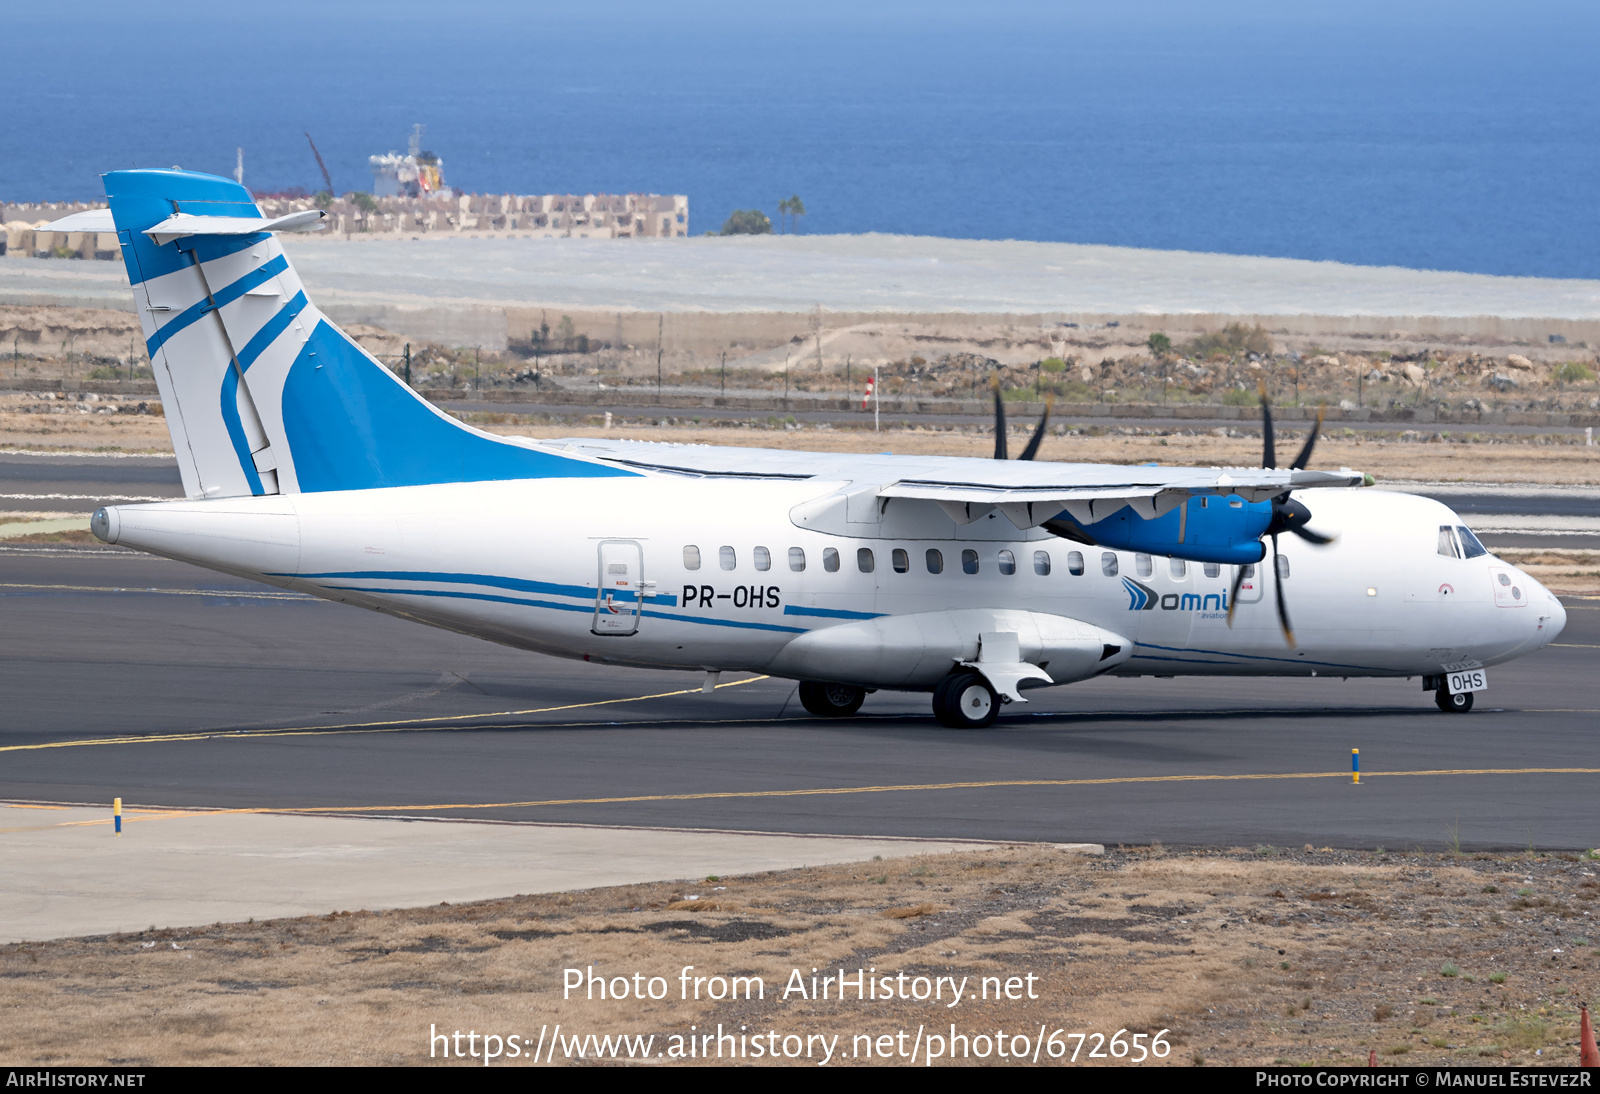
pixel 1029 506
pixel 967 489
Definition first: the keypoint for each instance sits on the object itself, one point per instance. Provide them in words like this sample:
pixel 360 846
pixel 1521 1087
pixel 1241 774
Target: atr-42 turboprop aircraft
pixel 309 466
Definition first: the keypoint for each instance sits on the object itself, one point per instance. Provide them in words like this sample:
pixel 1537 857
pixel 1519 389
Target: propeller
pixel 1288 515
pixel 1032 449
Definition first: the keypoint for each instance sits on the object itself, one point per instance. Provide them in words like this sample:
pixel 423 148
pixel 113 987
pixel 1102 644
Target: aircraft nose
pixel 1557 621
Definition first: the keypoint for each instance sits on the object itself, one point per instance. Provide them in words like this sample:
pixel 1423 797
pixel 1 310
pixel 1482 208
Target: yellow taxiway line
pixel 393 725
pixel 901 788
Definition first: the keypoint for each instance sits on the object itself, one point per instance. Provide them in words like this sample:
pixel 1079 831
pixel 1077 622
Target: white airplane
pixel 309 466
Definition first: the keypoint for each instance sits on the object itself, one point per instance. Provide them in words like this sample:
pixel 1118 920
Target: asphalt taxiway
pixel 126 675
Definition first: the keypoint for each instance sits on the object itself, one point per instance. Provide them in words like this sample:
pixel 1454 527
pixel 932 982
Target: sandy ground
pixel 1242 957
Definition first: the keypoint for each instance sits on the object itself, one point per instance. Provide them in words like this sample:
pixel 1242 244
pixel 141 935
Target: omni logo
pixel 1142 598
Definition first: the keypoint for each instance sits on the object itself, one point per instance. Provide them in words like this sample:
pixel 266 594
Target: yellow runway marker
pixel 394 725
pixel 1576 645
pixel 131 816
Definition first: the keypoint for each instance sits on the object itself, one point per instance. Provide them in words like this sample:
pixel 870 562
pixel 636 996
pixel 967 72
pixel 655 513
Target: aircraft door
pixel 621 590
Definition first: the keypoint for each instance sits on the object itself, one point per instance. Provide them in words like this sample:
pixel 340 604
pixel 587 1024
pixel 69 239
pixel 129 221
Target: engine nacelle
pixel 1203 529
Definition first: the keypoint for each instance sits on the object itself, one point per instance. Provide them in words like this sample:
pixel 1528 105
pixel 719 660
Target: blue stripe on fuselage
pixel 1247 657
pixel 516 584
pixel 583 608
pixel 829 613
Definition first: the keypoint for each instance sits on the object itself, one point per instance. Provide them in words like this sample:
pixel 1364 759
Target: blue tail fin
pixel 262 393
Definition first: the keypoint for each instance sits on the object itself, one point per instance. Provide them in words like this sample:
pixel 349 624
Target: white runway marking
pixel 87 497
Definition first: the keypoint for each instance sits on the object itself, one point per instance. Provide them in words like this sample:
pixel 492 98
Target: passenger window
pixel 901 560
pixel 1179 567
pixel 969 561
pixel 1075 563
pixel 1471 546
pixel 726 558
pixel 1283 565
pixel 830 560
pixel 935 561
pixel 1144 564
pixel 1041 563
pixel 1108 564
pixel 1447 542
pixel 1213 569
pixel 1008 563
pixel 691 558
pixel 797 559
pixel 864 560
pixel 763 558
pixel 1250 570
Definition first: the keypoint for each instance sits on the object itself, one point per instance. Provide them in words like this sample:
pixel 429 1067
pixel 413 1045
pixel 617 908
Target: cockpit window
pixel 1471 547
pixel 1447 542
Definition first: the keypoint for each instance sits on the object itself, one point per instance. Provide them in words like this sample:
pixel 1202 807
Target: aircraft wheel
pixel 1459 703
pixel 964 700
pixel 831 700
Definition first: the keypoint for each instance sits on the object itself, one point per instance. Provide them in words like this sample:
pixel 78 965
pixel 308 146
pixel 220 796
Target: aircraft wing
pixel 1027 492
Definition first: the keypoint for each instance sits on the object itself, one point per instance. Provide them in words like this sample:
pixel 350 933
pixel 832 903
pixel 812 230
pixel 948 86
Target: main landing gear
pixel 964 700
pixel 1459 703
pixel 831 700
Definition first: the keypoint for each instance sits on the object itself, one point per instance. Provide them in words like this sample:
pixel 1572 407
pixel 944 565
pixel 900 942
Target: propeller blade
pixel 1233 597
pixel 1038 433
pixel 1277 584
pixel 1304 458
pixel 1269 448
pixel 1316 538
pixel 999 422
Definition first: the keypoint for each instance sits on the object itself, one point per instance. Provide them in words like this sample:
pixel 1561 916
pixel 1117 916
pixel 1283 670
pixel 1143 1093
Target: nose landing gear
pixel 1459 703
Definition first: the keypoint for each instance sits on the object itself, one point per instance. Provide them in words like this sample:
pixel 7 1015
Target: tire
pixel 831 700
pixel 1459 703
pixel 964 700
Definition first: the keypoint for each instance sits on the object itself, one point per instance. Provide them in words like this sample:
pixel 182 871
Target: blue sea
pixel 1459 136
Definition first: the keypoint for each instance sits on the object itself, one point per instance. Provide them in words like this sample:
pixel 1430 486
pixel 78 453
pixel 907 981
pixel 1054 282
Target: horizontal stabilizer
pixel 90 220
pixel 180 225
